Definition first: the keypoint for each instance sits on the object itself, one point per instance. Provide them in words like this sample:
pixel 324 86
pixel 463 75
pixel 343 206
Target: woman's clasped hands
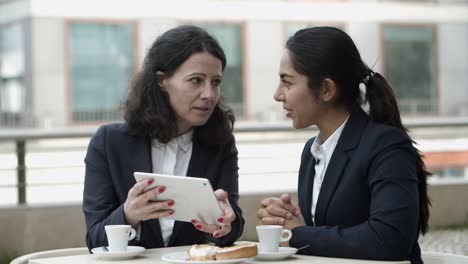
pixel 280 211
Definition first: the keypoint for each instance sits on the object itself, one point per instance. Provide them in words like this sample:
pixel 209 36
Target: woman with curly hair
pixel 175 123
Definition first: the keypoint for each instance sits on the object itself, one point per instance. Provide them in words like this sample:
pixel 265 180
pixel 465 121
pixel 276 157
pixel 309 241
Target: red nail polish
pixel 171 212
pixel 220 219
pixel 161 189
pixel 171 203
pixel 215 235
pixel 194 221
pixel 198 226
pixel 150 181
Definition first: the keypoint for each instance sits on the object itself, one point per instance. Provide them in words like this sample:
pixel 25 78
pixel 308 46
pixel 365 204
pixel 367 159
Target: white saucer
pixel 180 257
pixel 131 252
pixel 283 252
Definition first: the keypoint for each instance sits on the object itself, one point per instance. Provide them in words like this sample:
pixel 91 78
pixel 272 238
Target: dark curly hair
pixel 147 110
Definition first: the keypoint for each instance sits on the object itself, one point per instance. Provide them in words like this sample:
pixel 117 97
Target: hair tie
pixel 368 77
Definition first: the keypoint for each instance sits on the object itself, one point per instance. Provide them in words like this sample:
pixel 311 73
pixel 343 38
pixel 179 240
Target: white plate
pixel 131 252
pixel 180 257
pixel 283 252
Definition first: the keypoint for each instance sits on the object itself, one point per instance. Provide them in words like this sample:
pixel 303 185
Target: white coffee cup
pixel 270 236
pixel 118 236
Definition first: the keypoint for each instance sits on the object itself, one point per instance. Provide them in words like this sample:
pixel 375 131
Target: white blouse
pixel 172 158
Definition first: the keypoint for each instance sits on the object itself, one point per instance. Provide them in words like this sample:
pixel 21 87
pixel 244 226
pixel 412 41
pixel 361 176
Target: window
pixel 12 75
pixel 409 66
pixel 230 39
pixel 102 63
pixel 449 172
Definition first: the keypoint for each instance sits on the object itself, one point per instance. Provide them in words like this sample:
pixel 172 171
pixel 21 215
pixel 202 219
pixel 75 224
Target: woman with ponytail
pixel 362 189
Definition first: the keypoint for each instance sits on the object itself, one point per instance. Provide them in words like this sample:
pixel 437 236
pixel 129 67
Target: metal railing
pixel 417 107
pixel 22 136
pixel 97 115
pixel 11 119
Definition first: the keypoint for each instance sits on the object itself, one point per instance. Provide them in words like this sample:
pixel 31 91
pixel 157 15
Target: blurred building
pixel 68 63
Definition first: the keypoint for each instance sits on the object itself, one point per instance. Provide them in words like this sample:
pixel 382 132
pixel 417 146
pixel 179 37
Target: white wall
pixel 452 44
pixel 50 91
pixel 366 36
pixel 264 44
pixel 148 30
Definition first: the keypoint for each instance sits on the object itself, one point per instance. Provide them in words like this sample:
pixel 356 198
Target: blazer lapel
pixel 332 177
pixel 198 161
pixel 140 155
pixel 307 187
pixel 349 139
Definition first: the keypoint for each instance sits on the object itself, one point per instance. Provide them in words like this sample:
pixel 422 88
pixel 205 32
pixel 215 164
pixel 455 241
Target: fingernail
pixel 170 203
pixel 220 219
pixel 281 221
pixel 161 189
pixel 194 221
pixel 150 181
pixel 215 235
pixel 288 215
pixel 171 212
pixel 198 226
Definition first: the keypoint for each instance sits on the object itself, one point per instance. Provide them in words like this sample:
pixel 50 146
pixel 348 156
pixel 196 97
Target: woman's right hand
pixel 139 205
pixel 275 211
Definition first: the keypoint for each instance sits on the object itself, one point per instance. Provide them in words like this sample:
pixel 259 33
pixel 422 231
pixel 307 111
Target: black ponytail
pixel 383 108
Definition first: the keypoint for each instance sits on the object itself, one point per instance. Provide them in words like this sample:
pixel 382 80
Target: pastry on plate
pixel 209 252
pixel 202 252
pixel 237 251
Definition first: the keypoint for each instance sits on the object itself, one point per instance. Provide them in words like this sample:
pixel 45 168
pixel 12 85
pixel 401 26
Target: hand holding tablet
pixel 193 197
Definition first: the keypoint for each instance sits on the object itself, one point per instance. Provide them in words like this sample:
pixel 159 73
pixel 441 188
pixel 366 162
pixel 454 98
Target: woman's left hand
pixel 226 219
pixel 294 222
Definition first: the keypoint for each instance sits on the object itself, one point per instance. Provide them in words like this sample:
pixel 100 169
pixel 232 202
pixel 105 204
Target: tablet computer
pixel 193 198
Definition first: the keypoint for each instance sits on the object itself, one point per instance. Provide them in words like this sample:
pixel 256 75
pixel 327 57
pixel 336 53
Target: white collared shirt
pixel 172 158
pixel 322 153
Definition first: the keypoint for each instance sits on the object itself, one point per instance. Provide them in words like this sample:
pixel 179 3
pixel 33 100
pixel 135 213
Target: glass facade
pixel 12 74
pixel 102 63
pixel 409 67
pixel 229 37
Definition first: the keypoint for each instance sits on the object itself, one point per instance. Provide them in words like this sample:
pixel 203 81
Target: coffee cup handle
pixel 285 239
pixel 132 234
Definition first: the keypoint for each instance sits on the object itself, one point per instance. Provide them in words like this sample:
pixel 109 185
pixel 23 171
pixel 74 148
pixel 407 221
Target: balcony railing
pixel 11 119
pixel 101 115
pixel 15 120
pixel 247 134
pixel 417 107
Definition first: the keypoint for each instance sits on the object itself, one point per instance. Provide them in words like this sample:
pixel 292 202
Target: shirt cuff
pixel 138 232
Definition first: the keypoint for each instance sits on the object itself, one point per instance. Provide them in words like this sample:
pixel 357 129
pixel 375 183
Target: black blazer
pixel 368 207
pixel 112 158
